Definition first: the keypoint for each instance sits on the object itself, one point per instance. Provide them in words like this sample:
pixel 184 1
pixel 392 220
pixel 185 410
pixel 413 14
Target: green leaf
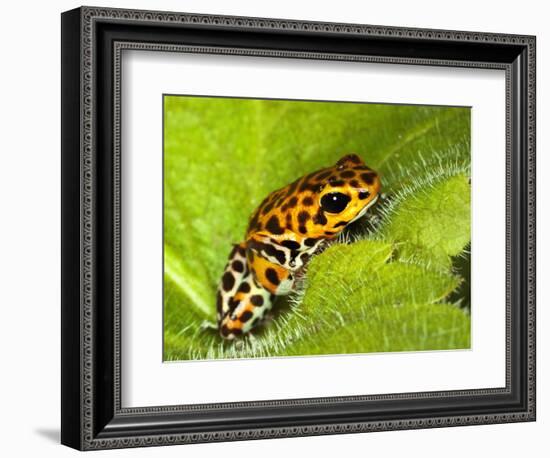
pixel 431 223
pixel 223 156
pixel 346 276
pixel 387 328
pixel 366 293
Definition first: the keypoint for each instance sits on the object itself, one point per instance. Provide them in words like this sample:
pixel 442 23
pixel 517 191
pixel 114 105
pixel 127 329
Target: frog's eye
pixel 334 202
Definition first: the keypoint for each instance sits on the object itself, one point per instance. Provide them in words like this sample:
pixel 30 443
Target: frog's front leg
pixel 247 291
pixel 275 278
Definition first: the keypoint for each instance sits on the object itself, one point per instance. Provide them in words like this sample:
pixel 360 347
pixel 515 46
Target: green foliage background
pixel 395 288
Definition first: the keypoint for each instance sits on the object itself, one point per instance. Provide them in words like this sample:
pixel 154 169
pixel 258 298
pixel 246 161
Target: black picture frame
pixel 92 40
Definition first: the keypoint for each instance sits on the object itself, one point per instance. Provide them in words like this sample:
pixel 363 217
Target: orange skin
pixel 286 229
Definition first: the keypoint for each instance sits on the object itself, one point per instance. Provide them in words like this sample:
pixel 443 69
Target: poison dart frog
pixel 288 227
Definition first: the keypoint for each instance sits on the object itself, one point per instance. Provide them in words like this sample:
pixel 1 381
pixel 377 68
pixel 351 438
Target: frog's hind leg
pixel 245 309
pixel 253 298
pixel 241 300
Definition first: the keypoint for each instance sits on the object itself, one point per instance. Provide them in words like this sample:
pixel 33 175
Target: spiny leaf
pixel 408 327
pixel 363 291
pixel 431 223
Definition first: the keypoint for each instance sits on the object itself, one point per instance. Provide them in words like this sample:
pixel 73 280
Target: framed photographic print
pixel 276 228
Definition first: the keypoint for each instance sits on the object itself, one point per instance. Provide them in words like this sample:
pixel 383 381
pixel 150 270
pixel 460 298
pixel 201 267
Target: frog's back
pixel 284 210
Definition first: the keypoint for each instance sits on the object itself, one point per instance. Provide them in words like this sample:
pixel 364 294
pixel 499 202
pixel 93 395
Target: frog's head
pixel 346 191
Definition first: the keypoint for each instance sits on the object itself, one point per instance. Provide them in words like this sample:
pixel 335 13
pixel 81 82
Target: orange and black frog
pixel 289 227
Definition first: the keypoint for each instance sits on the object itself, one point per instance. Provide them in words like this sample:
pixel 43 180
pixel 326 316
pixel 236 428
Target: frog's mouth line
pixel 362 212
